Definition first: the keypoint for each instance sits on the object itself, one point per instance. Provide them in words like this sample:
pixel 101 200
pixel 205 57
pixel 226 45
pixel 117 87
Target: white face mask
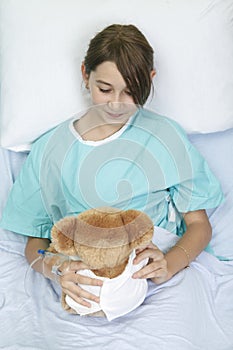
pixel 118 295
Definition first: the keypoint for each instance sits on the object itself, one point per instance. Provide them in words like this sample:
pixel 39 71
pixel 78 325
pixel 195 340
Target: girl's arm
pixel 197 236
pixel 162 267
pixel 31 253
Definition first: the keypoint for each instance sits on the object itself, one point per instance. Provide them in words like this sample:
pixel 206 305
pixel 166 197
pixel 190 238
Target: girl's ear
pixel 84 74
pixel 153 73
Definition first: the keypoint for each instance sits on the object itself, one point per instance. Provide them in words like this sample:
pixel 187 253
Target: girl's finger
pixel 76 278
pixel 71 265
pixel 150 245
pixel 77 298
pixel 78 292
pixel 80 279
pixel 146 272
pixel 154 254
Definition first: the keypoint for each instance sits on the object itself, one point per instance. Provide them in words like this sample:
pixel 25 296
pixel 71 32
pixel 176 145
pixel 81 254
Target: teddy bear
pixel 105 239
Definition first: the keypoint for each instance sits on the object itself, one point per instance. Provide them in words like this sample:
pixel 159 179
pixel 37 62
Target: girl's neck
pixel 91 129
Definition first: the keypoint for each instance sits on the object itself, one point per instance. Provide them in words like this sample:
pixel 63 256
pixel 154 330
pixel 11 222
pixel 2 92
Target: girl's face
pixel 108 90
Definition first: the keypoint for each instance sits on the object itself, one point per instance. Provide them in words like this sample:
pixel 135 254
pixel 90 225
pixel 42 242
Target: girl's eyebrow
pixel 103 82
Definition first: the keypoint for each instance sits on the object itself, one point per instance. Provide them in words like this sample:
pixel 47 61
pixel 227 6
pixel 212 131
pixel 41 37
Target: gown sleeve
pixel 25 212
pixel 198 187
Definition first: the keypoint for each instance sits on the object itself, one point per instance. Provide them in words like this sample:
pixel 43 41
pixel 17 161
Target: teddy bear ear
pixel 139 226
pixel 62 236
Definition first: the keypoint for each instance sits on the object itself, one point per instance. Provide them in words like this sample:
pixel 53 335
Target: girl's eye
pixel 105 91
pixel 127 92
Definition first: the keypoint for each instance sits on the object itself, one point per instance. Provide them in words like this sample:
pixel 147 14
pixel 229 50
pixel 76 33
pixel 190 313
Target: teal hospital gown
pixel 148 165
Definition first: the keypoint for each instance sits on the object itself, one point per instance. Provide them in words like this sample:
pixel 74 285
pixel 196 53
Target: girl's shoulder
pixel 51 144
pixel 53 136
pixel 159 125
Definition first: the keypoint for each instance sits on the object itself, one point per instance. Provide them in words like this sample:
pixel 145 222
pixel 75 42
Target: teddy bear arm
pixel 142 240
pixel 63 236
pixel 52 249
pixel 110 272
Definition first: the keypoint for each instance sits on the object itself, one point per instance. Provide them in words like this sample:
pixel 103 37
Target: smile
pixel 115 115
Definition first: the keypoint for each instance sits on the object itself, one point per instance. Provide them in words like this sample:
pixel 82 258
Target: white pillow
pixel 43 43
pixel 217 148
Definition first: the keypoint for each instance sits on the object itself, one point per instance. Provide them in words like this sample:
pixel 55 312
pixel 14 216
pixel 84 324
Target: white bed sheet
pixel 192 311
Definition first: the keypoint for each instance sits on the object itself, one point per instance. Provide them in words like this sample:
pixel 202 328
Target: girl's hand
pixel 156 269
pixel 70 280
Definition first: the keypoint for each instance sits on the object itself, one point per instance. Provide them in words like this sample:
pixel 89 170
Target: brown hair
pixel 128 48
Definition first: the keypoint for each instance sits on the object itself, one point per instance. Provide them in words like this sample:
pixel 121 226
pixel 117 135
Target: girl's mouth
pixel 115 115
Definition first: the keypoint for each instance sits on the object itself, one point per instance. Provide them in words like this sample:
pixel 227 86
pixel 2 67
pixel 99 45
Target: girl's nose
pixel 114 105
pixel 115 98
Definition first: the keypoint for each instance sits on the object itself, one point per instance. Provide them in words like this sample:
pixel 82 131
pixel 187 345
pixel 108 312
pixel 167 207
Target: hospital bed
pixel 43 43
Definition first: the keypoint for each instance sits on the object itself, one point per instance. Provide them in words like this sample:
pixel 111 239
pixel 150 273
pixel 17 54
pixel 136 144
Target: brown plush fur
pixel 102 238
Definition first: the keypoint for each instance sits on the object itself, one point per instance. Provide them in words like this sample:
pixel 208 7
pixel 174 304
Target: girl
pixel 116 144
